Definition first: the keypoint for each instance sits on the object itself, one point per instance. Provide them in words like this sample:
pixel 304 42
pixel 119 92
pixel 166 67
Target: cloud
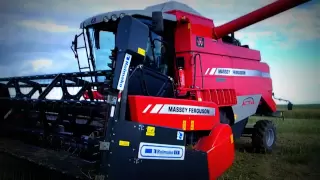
pixel 284 30
pixel 41 64
pixel 28 50
pixel 93 6
pixel 76 7
pixel 47 26
pixel 291 27
pixel 297 85
pixel 34 63
pixel 295 79
pixel 252 37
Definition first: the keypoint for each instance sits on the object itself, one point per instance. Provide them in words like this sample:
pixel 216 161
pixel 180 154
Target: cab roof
pixel 147 12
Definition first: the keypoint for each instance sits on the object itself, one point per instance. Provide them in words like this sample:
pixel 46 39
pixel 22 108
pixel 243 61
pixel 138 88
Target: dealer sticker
pixel 124 72
pixel 161 151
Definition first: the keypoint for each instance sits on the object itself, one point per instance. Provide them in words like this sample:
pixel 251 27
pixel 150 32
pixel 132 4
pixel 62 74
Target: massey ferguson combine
pixel 163 96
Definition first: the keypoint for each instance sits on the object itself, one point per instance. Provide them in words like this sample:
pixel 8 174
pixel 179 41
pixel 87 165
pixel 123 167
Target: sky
pixel 35 38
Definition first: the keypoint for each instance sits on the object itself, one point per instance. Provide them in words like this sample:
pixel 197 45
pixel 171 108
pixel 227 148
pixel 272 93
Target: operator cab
pixel 100 36
pixel 100 33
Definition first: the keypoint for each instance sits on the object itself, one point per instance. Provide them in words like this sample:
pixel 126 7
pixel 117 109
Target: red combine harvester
pixel 166 104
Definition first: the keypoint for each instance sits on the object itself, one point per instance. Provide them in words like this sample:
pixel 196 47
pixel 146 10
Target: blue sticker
pixel 124 72
pixel 161 151
pixel 180 135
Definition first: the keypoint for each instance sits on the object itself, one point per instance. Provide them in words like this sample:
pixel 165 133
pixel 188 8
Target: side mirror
pixel 163 49
pixel 74 46
pixel 157 22
pixel 290 106
pixel 75 42
pixel 97 38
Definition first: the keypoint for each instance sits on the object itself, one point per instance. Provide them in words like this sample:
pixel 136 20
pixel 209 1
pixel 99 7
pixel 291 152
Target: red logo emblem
pixel 200 41
pixel 248 101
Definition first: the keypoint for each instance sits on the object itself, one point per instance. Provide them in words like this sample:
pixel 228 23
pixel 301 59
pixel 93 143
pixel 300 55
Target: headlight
pixel 106 19
pixel 114 17
pixel 122 15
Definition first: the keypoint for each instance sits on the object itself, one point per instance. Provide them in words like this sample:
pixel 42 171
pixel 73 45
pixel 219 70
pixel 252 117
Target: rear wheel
pixel 264 136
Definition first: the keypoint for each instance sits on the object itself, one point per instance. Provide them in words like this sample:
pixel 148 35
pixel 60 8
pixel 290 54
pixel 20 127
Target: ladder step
pixel 81 47
pixel 84 68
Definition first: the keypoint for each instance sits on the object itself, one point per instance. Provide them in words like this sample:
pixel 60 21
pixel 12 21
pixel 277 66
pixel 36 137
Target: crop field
pixel 297 155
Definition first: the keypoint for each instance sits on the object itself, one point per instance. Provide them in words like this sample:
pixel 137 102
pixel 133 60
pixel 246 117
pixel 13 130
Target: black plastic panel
pixel 148 82
pixel 124 162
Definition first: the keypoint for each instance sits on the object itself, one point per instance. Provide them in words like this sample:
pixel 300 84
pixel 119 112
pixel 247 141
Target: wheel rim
pixel 270 137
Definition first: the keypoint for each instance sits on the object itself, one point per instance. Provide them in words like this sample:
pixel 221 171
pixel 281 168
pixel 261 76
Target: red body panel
pixel 222 97
pixel 219 49
pixel 220 150
pixel 216 54
pixel 152 111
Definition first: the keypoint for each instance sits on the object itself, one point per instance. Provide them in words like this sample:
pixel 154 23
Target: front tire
pixel 264 136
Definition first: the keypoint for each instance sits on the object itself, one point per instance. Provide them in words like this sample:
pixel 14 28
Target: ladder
pixel 89 59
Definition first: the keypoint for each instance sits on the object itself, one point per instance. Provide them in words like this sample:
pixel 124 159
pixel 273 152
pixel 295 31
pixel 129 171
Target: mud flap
pixel 219 147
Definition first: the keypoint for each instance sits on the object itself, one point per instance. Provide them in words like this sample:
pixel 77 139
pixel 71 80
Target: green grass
pixel 297 155
pixel 310 111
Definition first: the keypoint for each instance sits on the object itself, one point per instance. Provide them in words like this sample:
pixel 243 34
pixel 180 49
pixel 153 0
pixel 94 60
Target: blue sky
pixel 36 36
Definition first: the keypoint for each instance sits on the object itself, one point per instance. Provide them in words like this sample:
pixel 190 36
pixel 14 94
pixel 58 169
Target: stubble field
pixel 297 155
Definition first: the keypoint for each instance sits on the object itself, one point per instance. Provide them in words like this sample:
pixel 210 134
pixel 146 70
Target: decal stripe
pixel 180 109
pixel 156 108
pixel 213 70
pixel 187 110
pixel 207 71
pixel 267 75
pixel 147 108
pixel 236 72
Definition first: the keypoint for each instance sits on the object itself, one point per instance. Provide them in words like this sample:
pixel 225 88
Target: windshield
pixel 101 55
pixel 107 44
pixel 154 63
